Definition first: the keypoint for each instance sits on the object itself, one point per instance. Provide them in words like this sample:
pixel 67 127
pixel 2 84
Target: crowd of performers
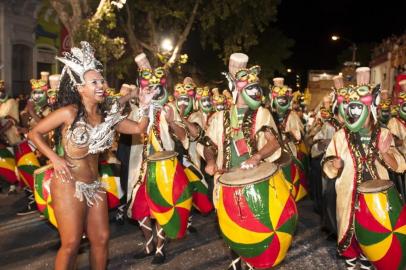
pixel 247 156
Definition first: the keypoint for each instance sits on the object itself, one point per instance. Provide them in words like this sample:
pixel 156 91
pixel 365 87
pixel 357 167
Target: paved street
pixel 30 242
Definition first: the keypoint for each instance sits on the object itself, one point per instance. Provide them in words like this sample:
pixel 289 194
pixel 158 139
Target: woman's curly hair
pixel 69 95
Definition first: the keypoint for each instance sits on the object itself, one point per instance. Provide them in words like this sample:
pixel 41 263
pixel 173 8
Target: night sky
pixel 311 23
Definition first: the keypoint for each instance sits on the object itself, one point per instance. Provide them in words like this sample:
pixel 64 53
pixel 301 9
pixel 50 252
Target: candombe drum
pixel 110 177
pixel 290 172
pixel 7 166
pixel 257 214
pixel 42 192
pixel 199 188
pixel 380 225
pixel 168 193
pixel 27 163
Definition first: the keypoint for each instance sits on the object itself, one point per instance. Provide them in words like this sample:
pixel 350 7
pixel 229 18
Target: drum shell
pixel 7 166
pixel 110 177
pixel 380 228
pixel 258 220
pixel 169 196
pixel 27 163
pixel 291 174
pixel 42 192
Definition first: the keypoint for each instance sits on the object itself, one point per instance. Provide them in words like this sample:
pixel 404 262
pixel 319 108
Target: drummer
pixel 360 144
pixel 195 124
pixel 397 124
pixel 243 135
pixel 290 127
pixel 163 132
pixel 9 119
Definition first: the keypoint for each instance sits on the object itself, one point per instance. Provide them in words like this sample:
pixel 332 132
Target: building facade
pixel 30 38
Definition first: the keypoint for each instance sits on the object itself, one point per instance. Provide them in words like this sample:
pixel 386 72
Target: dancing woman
pixel 78 197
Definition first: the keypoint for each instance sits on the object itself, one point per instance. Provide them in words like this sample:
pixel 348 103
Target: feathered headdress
pixel 79 61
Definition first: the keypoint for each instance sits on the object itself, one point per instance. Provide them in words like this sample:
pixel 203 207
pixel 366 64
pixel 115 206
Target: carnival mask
pixel 38 93
pixel 203 98
pixel 325 113
pixel 385 110
pixel 402 105
pixel 219 102
pixel 184 94
pixel 247 84
pixel 52 96
pixel 355 103
pixel 281 98
pixel 155 80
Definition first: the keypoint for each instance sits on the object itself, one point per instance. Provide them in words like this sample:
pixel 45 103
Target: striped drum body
pixel 27 163
pixel 258 220
pixel 110 177
pixel 7 166
pixel 168 193
pixel 42 192
pixel 199 188
pixel 380 225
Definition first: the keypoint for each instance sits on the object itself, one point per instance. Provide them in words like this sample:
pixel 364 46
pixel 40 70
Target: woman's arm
pixel 62 116
pixel 131 127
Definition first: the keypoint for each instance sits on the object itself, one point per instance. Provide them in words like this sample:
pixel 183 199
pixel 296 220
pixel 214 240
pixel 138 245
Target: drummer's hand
pixel 251 162
pixel 145 96
pixel 337 163
pixel 211 168
pixel 384 144
pixel 61 169
pixel 169 116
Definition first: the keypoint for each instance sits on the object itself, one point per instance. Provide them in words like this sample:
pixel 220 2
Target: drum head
pixel 375 186
pixel 43 169
pixel 241 177
pixel 284 159
pixel 162 155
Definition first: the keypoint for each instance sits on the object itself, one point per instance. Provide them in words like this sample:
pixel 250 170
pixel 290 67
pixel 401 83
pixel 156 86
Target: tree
pixel 225 26
pixel 92 21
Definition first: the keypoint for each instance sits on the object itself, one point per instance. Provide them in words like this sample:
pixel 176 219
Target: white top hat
pixel 142 61
pixel 237 62
pixel 187 80
pixel 54 81
pixel 278 81
pixel 362 75
pixel 44 75
pixel 338 81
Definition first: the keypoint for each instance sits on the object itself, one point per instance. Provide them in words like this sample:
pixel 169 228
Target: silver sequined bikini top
pixel 98 138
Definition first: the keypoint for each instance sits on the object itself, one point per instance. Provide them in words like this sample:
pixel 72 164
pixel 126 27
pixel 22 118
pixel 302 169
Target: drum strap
pixel 350 264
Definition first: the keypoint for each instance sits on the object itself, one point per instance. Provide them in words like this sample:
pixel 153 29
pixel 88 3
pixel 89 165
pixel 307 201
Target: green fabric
pixel 237 116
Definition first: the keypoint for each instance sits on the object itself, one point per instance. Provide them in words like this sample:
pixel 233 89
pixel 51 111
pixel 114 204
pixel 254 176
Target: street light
pixel 167 45
pixel 353 45
pixel 288 70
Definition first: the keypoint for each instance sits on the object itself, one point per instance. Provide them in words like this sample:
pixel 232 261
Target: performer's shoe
pixel 192 229
pixel 365 264
pixel 119 218
pixel 30 208
pixel 12 190
pixel 351 263
pixel 159 258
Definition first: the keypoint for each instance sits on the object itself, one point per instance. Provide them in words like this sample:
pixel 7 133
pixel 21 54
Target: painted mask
pixel 204 99
pixel 184 94
pixel 154 79
pixel 39 92
pixel 281 98
pixel 247 84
